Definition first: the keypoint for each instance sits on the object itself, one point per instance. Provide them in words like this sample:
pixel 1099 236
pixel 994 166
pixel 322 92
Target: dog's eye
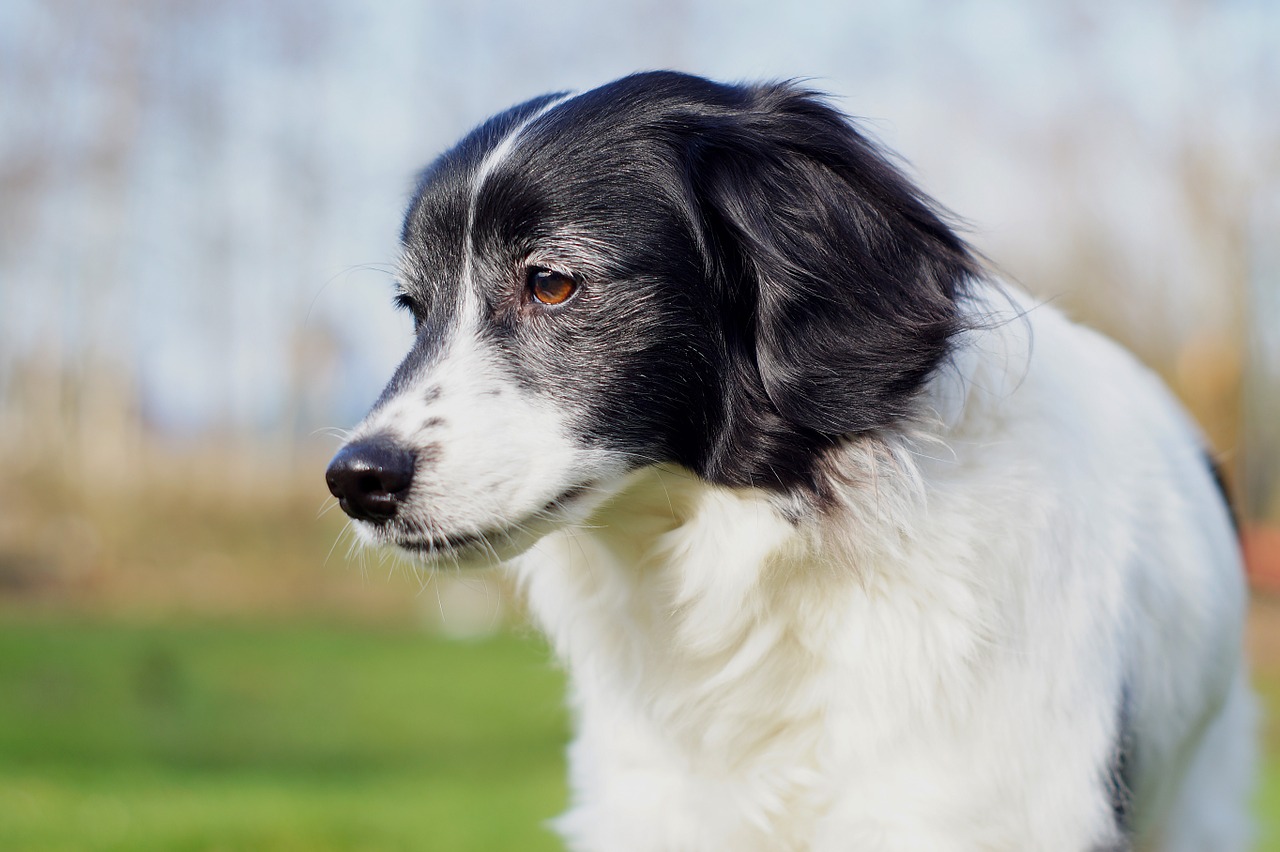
pixel 404 302
pixel 550 287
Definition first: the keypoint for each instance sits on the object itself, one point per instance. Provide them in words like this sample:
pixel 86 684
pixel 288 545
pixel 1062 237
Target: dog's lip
pixel 443 543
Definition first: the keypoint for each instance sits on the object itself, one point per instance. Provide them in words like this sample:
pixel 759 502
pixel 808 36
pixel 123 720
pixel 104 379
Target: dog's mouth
pixel 498 542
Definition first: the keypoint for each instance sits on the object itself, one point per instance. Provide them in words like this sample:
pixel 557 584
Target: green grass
pixel 265 738
pixel 308 738
pixel 1268 799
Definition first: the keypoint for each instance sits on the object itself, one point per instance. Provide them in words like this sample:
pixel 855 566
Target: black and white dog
pixel 846 546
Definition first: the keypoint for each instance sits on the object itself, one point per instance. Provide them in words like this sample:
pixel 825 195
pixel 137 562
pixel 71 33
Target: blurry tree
pixel 140 138
pixel 1161 243
pixel 1260 459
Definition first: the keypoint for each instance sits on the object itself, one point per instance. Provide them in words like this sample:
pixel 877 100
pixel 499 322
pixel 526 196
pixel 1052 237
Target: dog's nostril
pixel 370 478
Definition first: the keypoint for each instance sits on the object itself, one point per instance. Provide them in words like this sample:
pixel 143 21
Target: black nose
pixel 370 478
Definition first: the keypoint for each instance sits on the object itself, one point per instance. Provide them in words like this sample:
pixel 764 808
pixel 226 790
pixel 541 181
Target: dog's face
pixel 660 271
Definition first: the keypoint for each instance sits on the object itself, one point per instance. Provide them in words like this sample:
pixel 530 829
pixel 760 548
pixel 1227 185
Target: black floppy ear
pixel 855 276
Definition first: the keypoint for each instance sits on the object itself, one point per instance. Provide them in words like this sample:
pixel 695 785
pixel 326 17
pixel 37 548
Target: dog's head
pixel 663 270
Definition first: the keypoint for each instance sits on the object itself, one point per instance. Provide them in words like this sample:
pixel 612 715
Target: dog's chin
pixel 482 547
pixel 453 550
pixel 476 549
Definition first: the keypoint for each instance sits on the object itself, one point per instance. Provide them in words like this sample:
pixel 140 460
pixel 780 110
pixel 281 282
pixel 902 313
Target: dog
pixel 846 543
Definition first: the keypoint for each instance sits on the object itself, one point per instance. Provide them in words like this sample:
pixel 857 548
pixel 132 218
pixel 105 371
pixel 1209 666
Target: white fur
pixel 498 454
pixel 934 662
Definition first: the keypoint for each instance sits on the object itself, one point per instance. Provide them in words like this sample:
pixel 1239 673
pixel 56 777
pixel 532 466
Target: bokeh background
pixel 199 202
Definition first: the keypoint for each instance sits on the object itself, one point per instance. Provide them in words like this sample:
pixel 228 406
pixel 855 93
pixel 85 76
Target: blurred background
pixel 199 204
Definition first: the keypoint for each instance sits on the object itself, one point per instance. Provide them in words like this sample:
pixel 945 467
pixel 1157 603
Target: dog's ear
pixel 854 274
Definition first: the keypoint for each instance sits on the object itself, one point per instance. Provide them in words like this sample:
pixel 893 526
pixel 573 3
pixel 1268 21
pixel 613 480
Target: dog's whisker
pixel 346 528
pixel 333 432
pixel 326 507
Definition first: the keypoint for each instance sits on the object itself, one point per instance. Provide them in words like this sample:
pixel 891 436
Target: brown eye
pixel 550 287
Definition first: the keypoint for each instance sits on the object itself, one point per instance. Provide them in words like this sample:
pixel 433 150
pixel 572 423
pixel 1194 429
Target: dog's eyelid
pixel 405 302
pixel 535 266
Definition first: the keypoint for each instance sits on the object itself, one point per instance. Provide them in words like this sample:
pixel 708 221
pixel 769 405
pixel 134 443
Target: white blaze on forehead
pixel 487 166
pixel 489 453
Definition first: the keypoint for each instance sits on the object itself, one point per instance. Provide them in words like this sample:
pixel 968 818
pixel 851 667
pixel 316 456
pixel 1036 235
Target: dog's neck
pixel 719 617
pixel 710 611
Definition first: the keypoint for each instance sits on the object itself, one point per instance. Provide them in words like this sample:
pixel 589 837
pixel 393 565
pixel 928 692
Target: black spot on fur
pixel 426 348
pixel 428 453
pixel 1120 772
pixel 1216 470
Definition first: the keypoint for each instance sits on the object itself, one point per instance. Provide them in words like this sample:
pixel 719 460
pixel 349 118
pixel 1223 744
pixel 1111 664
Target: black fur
pixel 1120 774
pixel 1215 470
pixel 756 280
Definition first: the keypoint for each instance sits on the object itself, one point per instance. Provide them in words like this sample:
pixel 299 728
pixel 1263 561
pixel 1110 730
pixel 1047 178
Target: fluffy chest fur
pixel 741 688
